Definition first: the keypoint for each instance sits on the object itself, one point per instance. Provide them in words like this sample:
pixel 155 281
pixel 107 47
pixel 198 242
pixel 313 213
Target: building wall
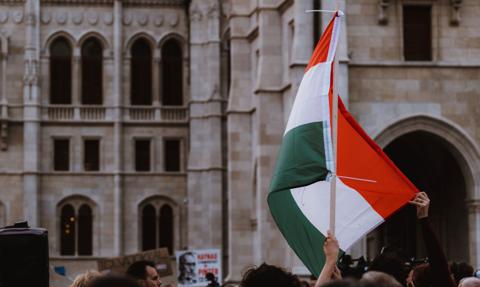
pixel 230 132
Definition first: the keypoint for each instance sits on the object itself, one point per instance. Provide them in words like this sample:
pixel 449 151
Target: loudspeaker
pixel 23 256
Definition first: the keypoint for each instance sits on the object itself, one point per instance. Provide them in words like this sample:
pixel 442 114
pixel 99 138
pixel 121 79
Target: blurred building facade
pixel 136 124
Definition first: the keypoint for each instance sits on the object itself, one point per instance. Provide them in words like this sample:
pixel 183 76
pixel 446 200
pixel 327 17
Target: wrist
pixel 331 260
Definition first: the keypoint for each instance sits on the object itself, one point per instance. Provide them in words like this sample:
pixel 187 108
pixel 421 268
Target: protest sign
pixel 193 265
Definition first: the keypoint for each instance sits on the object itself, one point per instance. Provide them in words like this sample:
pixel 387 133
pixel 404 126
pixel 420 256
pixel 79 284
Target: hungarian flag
pixel 369 186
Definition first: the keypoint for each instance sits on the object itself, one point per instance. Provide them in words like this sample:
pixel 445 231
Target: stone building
pixel 134 124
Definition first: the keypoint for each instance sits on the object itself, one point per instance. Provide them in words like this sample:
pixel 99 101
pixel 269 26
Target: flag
pixel 369 186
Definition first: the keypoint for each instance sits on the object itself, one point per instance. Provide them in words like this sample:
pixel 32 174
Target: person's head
pixel 210 277
pixel 112 281
pixel 461 270
pixel 145 273
pixel 469 282
pixel 187 264
pixel 419 276
pixel 390 264
pixel 269 275
pixel 376 277
pixel 84 279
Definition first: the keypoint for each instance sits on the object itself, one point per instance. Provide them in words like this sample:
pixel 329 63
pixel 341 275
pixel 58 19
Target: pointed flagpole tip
pixel 340 12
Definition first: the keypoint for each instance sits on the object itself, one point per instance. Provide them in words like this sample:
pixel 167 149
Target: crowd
pixel 387 270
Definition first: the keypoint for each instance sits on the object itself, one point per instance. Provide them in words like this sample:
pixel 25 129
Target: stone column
pixel 474 231
pixel 157 99
pixel 76 83
pixel 242 227
pixel 117 131
pixel 31 115
pixel 205 155
pixel 268 128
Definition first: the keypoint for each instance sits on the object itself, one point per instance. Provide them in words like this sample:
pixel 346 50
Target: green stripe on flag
pixel 301 159
pixel 304 238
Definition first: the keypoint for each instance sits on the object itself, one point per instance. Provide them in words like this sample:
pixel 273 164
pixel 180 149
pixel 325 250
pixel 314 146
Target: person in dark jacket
pixel 435 273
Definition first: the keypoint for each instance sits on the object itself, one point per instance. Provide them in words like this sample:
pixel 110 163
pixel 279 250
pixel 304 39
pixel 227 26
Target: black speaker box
pixel 23 256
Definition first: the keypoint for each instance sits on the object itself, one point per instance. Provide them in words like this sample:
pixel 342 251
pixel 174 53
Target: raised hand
pixel 422 202
pixel 331 248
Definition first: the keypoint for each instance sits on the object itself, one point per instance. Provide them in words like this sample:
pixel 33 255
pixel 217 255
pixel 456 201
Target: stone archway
pixel 417 143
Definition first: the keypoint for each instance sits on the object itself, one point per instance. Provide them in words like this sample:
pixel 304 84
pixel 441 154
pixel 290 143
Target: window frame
pixel 102 71
pixel 434 31
pixel 100 153
pixel 70 149
pixel 180 153
pixel 77 202
pixel 151 157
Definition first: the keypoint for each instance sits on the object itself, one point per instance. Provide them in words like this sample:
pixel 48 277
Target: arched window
pixel 157 225
pixel 165 238
pixel 141 73
pixel 172 74
pixel 76 227
pixel 68 225
pixel 92 71
pixel 149 230
pixel 85 230
pixel 60 72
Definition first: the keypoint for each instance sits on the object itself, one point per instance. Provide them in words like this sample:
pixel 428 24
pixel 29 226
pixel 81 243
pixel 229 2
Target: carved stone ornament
pixel 46 17
pixel 92 18
pixel 158 21
pixel 127 19
pixel 3 16
pixel 17 17
pixel 213 12
pixel 173 19
pixel 77 18
pixel 108 18
pixel 195 13
pixel 383 12
pixel 61 17
pixel 455 18
pixel 142 19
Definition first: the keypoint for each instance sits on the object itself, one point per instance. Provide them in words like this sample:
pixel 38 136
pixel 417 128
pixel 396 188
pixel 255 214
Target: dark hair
pixel 138 270
pixel 269 275
pixel 113 281
pixel 391 264
pixel 210 277
pixel 461 270
pixel 421 275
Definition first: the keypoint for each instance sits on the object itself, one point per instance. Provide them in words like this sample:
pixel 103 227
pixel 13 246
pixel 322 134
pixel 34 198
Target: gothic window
pixel 141 73
pixel 149 228
pixel 172 155
pixel 60 72
pixel 172 74
pixel 85 232
pixel 417 33
pixel 91 156
pixel 61 154
pixel 92 72
pixel 165 238
pixel 157 225
pixel 142 155
pixel 68 226
pixel 76 227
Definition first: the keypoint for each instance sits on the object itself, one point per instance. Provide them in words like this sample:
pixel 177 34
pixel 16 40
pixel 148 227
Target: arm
pixel 331 250
pixel 437 259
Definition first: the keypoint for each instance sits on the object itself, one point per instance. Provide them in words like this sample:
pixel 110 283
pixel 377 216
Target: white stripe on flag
pixel 354 218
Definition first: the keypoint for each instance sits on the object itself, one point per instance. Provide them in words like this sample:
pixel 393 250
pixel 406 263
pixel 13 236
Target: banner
pixel 193 265
pixel 120 264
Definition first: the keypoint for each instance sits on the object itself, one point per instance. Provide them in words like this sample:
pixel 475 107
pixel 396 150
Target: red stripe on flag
pixel 320 54
pixel 360 157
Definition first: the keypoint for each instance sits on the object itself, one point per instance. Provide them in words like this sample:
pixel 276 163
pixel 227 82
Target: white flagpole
pixel 333 182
